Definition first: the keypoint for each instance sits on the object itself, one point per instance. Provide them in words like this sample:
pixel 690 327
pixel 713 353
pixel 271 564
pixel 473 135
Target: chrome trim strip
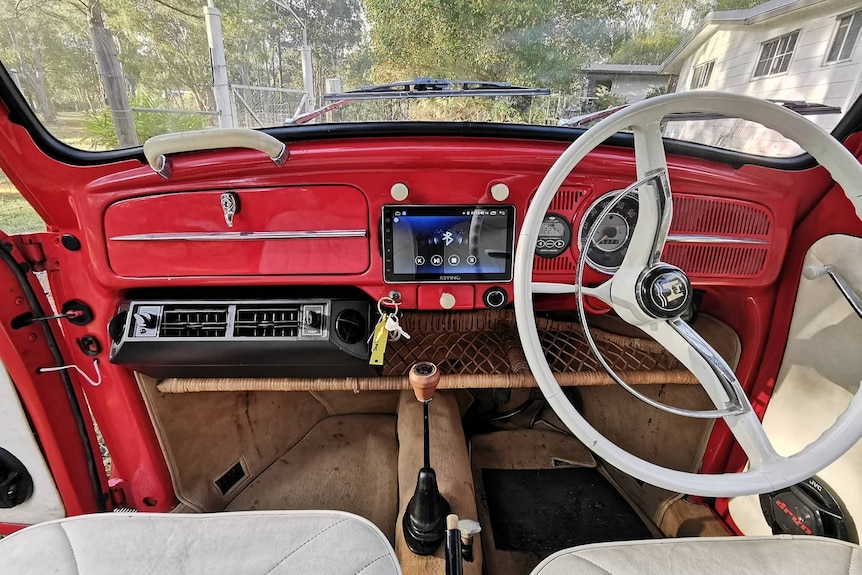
pixel 707 239
pixel 235 236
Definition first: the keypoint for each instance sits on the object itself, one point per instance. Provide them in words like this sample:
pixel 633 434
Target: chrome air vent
pixel 193 321
pixel 267 321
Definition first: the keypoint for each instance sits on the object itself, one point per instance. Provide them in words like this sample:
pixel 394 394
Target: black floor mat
pixel 536 510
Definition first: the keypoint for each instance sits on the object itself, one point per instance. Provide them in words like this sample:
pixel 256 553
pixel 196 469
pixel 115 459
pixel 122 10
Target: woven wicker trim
pixel 395 383
pixel 480 350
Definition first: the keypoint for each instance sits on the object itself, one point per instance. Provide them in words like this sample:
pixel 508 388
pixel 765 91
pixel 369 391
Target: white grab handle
pixel 157 148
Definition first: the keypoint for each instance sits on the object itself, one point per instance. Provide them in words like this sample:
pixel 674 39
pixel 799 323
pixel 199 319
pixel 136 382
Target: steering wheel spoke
pixel 751 436
pixel 654 215
pixel 714 374
pixel 553 288
pixel 649 148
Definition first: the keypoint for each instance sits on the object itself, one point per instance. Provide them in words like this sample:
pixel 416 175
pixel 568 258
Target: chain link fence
pixel 260 106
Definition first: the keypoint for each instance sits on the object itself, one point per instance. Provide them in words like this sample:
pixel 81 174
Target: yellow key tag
pixel 378 342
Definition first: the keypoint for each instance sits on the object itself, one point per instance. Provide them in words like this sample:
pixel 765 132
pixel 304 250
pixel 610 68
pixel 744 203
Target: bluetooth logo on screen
pixel 448 237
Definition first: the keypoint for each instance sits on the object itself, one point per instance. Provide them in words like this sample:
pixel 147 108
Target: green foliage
pixel 605 99
pixel 736 4
pixel 543 42
pixel 646 48
pixel 100 127
pixel 660 91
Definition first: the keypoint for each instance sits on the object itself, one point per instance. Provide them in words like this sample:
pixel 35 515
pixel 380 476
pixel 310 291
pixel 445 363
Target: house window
pixel 701 74
pixel 775 55
pixel 846 34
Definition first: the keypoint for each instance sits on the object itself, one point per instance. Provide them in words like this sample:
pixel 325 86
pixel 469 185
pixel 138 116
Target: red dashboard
pixel 316 220
pixel 342 185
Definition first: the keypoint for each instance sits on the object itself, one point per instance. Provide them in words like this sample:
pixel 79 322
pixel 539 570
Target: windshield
pixel 105 74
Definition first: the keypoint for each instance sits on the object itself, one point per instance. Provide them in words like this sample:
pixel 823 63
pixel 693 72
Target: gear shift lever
pixel 424 521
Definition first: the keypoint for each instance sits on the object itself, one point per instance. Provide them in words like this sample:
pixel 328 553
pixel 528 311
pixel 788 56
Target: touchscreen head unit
pixel 448 243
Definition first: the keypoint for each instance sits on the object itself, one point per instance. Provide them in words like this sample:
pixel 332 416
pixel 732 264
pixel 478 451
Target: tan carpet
pixel 518 449
pixel 346 463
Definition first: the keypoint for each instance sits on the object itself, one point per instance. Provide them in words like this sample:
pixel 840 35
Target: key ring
pixel 388 302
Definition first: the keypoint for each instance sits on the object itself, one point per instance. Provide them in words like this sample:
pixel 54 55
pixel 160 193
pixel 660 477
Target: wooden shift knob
pixel 423 378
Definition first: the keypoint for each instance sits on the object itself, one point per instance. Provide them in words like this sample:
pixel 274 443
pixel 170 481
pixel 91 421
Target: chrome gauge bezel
pixel 581 229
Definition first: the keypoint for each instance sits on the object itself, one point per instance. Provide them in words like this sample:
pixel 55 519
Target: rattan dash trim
pixel 394 383
pixel 479 350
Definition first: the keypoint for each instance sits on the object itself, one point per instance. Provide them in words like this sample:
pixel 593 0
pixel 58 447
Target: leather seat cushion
pixel 252 543
pixel 779 555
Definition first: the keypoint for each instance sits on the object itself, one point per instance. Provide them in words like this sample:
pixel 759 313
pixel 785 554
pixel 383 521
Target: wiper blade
pixel 436 88
pixel 799 106
pixel 806 108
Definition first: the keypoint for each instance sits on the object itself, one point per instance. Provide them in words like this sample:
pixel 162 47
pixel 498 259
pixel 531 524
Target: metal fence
pixel 261 106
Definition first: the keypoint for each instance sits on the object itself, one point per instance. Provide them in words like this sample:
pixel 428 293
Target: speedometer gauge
pixel 611 238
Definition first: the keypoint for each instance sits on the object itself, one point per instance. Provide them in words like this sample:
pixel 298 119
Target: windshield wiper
pixel 436 88
pixel 801 107
pixel 419 88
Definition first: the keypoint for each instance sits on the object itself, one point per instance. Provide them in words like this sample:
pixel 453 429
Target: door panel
pixel 54 402
pixel 16 437
pixel 819 375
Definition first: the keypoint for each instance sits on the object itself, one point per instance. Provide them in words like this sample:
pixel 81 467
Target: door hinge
pixel 31 248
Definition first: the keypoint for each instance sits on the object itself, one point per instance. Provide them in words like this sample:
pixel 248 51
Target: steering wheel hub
pixel 664 291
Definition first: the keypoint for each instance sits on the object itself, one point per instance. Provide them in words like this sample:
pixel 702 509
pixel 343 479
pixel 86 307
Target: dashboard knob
pixel 399 192
pixel 313 319
pixel 500 192
pixel 447 300
pixel 145 320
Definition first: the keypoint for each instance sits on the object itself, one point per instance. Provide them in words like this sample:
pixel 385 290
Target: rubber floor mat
pixel 541 510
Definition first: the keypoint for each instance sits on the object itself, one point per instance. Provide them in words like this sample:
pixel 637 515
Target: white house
pixel 783 50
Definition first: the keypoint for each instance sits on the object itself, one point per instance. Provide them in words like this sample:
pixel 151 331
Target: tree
pixel 646 48
pixel 542 42
pixel 111 75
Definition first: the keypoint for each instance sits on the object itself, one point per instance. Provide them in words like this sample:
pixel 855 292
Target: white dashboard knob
pixel 399 192
pixel 500 192
pixel 447 300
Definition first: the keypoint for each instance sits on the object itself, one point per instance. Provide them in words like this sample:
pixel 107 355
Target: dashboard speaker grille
pixel 561 263
pixel 194 321
pixel 567 198
pixel 720 216
pixel 717 260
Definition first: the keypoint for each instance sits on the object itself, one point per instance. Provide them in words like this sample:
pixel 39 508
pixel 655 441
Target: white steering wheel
pixel 651 295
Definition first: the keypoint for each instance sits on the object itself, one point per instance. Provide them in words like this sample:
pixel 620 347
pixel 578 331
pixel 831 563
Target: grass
pixel 16 215
pixel 69 127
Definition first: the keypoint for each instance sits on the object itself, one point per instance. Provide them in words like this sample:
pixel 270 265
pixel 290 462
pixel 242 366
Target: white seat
pixel 779 555
pixel 252 543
